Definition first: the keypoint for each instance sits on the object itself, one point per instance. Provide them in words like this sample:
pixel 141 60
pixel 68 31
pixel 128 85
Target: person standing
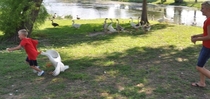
pixel 205 50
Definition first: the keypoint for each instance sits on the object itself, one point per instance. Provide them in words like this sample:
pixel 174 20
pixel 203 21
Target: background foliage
pixel 15 14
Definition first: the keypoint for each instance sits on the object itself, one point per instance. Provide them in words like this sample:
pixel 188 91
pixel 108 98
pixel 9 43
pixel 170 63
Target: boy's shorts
pixel 32 62
pixel 203 57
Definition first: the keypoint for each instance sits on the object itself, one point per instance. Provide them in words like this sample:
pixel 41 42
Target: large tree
pixel 144 18
pixel 196 1
pixel 20 14
pixel 178 1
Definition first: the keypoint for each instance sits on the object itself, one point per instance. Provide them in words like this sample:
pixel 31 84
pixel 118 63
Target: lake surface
pixel 106 9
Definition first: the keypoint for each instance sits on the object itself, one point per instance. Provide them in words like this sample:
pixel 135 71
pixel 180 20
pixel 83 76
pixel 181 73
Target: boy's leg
pixel 33 65
pixel 35 68
pixel 27 60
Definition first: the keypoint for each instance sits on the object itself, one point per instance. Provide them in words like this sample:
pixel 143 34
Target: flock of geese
pixel 73 22
pixel 108 27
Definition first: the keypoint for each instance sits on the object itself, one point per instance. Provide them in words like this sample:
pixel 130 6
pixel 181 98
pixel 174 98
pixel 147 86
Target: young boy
pixel 30 47
pixel 205 51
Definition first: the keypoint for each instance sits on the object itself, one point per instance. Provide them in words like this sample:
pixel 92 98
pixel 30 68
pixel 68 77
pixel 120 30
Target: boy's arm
pixel 14 48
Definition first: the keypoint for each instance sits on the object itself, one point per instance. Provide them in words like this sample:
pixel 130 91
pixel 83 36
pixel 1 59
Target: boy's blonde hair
pixel 23 31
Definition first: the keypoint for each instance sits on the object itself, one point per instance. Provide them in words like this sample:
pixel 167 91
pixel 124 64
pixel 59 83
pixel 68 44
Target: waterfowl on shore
pixel 54 24
pixel 164 19
pixel 110 27
pixel 54 16
pixel 78 18
pixel 105 25
pixel 193 23
pixel 133 24
pixel 75 25
pixel 118 26
pixel 146 27
pixel 138 24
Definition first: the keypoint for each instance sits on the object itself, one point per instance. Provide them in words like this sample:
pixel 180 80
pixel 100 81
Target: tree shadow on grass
pixel 139 72
pixel 160 26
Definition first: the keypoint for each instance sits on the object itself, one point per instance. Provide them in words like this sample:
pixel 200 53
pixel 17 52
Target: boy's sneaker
pixel 40 73
pixel 35 70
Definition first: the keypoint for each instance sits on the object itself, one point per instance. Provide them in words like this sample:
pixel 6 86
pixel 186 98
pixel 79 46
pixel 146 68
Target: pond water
pixel 107 9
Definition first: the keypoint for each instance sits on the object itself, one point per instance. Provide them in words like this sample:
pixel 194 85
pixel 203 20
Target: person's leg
pixel 202 80
pixel 203 57
pixel 27 60
pixel 35 68
pixel 33 64
pixel 203 71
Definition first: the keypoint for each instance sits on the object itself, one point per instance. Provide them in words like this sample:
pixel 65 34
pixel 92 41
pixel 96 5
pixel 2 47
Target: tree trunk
pixel 34 13
pixel 28 24
pixel 196 1
pixel 178 1
pixel 144 19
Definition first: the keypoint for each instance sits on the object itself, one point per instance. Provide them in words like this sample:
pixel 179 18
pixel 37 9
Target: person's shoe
pixel 40 73
pixel 34 71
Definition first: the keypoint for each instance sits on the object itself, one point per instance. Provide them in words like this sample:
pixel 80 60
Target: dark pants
pixel 32 62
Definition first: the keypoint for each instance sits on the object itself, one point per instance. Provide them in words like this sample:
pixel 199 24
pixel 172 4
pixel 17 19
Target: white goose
pixel 75 25
pixel 133 24
pixel 110 27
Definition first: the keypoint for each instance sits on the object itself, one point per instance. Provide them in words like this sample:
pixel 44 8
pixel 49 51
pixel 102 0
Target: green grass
pixel 159 64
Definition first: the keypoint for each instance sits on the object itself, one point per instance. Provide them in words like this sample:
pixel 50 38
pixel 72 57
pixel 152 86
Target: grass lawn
pixel 159 64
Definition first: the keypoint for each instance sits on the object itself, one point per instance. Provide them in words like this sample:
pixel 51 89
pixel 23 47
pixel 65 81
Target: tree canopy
pixel 20 14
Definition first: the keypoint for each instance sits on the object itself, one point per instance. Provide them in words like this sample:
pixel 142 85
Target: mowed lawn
pixel 159 64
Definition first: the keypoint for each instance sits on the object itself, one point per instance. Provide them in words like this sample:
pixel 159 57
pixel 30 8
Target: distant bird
pixel 110 27
pixel 118 26
pixel 164 19
pixel 54 16
pixel 105 25
pixel 146 27
pixel 54 24
pixel 75 25
pixel 133 24
pixel 78 18
pixel 193 23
